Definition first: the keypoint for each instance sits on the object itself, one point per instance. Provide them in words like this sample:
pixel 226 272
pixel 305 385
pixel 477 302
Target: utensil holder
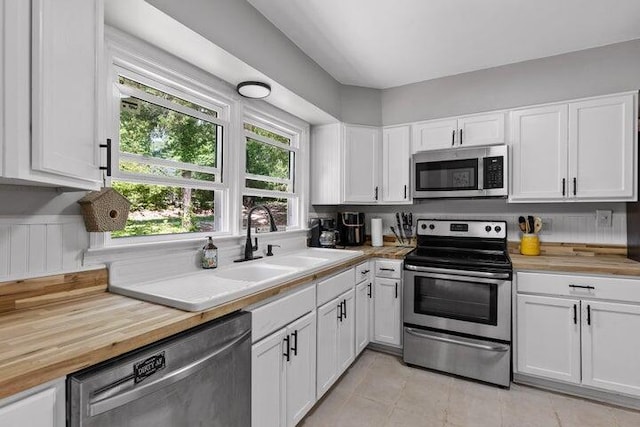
pixel 530 244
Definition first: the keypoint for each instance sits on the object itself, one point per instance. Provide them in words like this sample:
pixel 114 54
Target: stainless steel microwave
pixel 460 172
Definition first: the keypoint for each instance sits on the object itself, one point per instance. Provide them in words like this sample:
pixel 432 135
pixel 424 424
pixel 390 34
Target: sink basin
pixel 296 261
pixel 254 272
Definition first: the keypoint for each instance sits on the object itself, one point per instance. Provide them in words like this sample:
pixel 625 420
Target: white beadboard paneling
pixel 38 245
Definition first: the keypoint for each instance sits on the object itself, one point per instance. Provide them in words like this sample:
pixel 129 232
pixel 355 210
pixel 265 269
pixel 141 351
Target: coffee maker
pixel 351 228
pixel 323 233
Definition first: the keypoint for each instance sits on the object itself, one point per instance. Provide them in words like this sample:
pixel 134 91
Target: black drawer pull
pixel 396 290
pixel 387 269
pixel 364 272
pixel 369 293
pixel 588 314
pixel 582 287
pixel 575 314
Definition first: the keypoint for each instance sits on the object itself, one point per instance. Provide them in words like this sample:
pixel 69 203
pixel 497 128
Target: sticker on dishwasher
pixel 148 367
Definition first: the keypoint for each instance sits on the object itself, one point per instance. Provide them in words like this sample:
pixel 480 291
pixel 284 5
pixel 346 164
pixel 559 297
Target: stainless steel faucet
pixel 250 248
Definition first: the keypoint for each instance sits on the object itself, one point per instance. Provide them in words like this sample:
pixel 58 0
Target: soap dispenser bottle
pixel 209 256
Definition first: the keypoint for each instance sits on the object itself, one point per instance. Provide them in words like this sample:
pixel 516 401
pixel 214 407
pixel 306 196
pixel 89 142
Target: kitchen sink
pixel 296 261
pixel 254 272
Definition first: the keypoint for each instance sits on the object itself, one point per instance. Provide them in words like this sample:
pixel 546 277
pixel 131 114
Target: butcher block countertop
pixel 53 326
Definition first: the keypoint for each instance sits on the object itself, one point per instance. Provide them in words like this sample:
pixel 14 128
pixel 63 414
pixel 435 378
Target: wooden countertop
pixel 51 340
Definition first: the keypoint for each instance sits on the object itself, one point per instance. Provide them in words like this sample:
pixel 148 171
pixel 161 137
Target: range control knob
pixel 424 226
pixel 431 226
pixel 498 229
pixel 487 228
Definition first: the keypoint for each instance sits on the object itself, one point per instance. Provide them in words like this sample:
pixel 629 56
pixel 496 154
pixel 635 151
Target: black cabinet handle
pixel 575 314
pixel 294 347
pixel 460 136
pixel 453 137
pixel 396 290
pixel 108 147
pixel 588 314
pixel 405 191
pixel 344 302
pixel 582 287
pixel 575 185
pixel 387 269
pixel 564 184
pixel 369 293
pixel 287 354
pixel 376 195
pixel 340 312
pixel 364 271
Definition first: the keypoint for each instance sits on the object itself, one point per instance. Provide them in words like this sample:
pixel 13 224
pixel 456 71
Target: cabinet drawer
pixel 274 315
pixel 363 272
pixel 389 269
pixel 334 286
pixel 580 286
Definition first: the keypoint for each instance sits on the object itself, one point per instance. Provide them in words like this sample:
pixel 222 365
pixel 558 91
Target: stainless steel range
pixel 457 300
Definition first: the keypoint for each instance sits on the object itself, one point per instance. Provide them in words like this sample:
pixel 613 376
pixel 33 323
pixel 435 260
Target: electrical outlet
pixel 603 218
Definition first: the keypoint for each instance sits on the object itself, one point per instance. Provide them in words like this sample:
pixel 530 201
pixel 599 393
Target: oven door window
pixel 447 175
pixel 452 299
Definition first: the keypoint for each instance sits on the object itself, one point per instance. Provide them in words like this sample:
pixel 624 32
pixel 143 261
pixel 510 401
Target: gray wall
pixel 361 105
pixel 238 28
pixel 597 71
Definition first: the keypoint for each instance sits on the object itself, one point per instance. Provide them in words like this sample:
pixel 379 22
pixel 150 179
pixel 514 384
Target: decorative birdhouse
pixel 104 210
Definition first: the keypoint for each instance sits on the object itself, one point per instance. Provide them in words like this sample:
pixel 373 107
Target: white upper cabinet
pixel 434 135
pixel 539 153
pixel 396 163
pixel 51 77
pixel 465 131
pixel 579 151
pixel 602 148
pixel 326 160
pixel 361 164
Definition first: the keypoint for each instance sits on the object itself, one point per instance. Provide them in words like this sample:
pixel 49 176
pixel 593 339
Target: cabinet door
pixel 548 337
pixel 610 346
pixel 601 148
pixel 327 349
pixel 268 385
pixel 539 153
pixel 364 294
pixel 301 369
pixel 486 129
pixel 386 311
pixel 396 161
pixel 361 166
pixel 434 135
pixel 347 332
pixel 43 408
pixel 67 41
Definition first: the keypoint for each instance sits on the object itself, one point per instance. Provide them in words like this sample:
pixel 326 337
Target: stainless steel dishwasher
pixel 201 377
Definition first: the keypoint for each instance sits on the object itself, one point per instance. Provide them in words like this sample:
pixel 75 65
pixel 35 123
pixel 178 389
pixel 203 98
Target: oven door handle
pixel 462 341
pixel 457 272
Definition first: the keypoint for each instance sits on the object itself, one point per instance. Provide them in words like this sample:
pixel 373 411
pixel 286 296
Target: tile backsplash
pixel 570 222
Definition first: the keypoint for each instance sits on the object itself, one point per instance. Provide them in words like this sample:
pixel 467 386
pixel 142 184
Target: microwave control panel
pixel 493 172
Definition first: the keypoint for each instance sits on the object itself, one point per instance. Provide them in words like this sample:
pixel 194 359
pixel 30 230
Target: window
pixel 270 172
pixel 169 159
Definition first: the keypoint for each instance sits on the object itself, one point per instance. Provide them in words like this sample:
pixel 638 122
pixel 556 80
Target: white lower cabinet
pixel 42 406
pixel 364 303
pixel 549 337
pixel 336 340
pixel 283 374
pixel 610 346
pixel 387 323
pixel 576 338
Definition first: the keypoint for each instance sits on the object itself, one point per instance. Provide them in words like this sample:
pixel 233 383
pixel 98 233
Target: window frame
pixel 295 199
pixel 132 66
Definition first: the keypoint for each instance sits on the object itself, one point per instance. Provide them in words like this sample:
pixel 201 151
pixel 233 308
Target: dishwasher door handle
pixel 98 405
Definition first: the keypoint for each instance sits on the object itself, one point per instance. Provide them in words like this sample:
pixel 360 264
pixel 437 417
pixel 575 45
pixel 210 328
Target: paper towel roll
pixel 376 231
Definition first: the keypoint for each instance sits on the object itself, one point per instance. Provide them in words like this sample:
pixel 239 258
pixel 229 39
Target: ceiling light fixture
pixel 254 90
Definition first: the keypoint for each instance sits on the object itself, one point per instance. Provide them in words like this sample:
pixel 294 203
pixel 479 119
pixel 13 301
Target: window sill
pixel 226 243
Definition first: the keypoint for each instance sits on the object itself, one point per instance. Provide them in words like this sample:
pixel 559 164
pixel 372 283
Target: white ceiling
pixel 381 44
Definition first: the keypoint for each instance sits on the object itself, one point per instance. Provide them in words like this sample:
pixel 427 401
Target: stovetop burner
pixel 467 245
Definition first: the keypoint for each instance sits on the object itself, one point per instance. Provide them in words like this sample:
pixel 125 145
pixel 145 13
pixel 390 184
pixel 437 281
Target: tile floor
pixel 379 390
